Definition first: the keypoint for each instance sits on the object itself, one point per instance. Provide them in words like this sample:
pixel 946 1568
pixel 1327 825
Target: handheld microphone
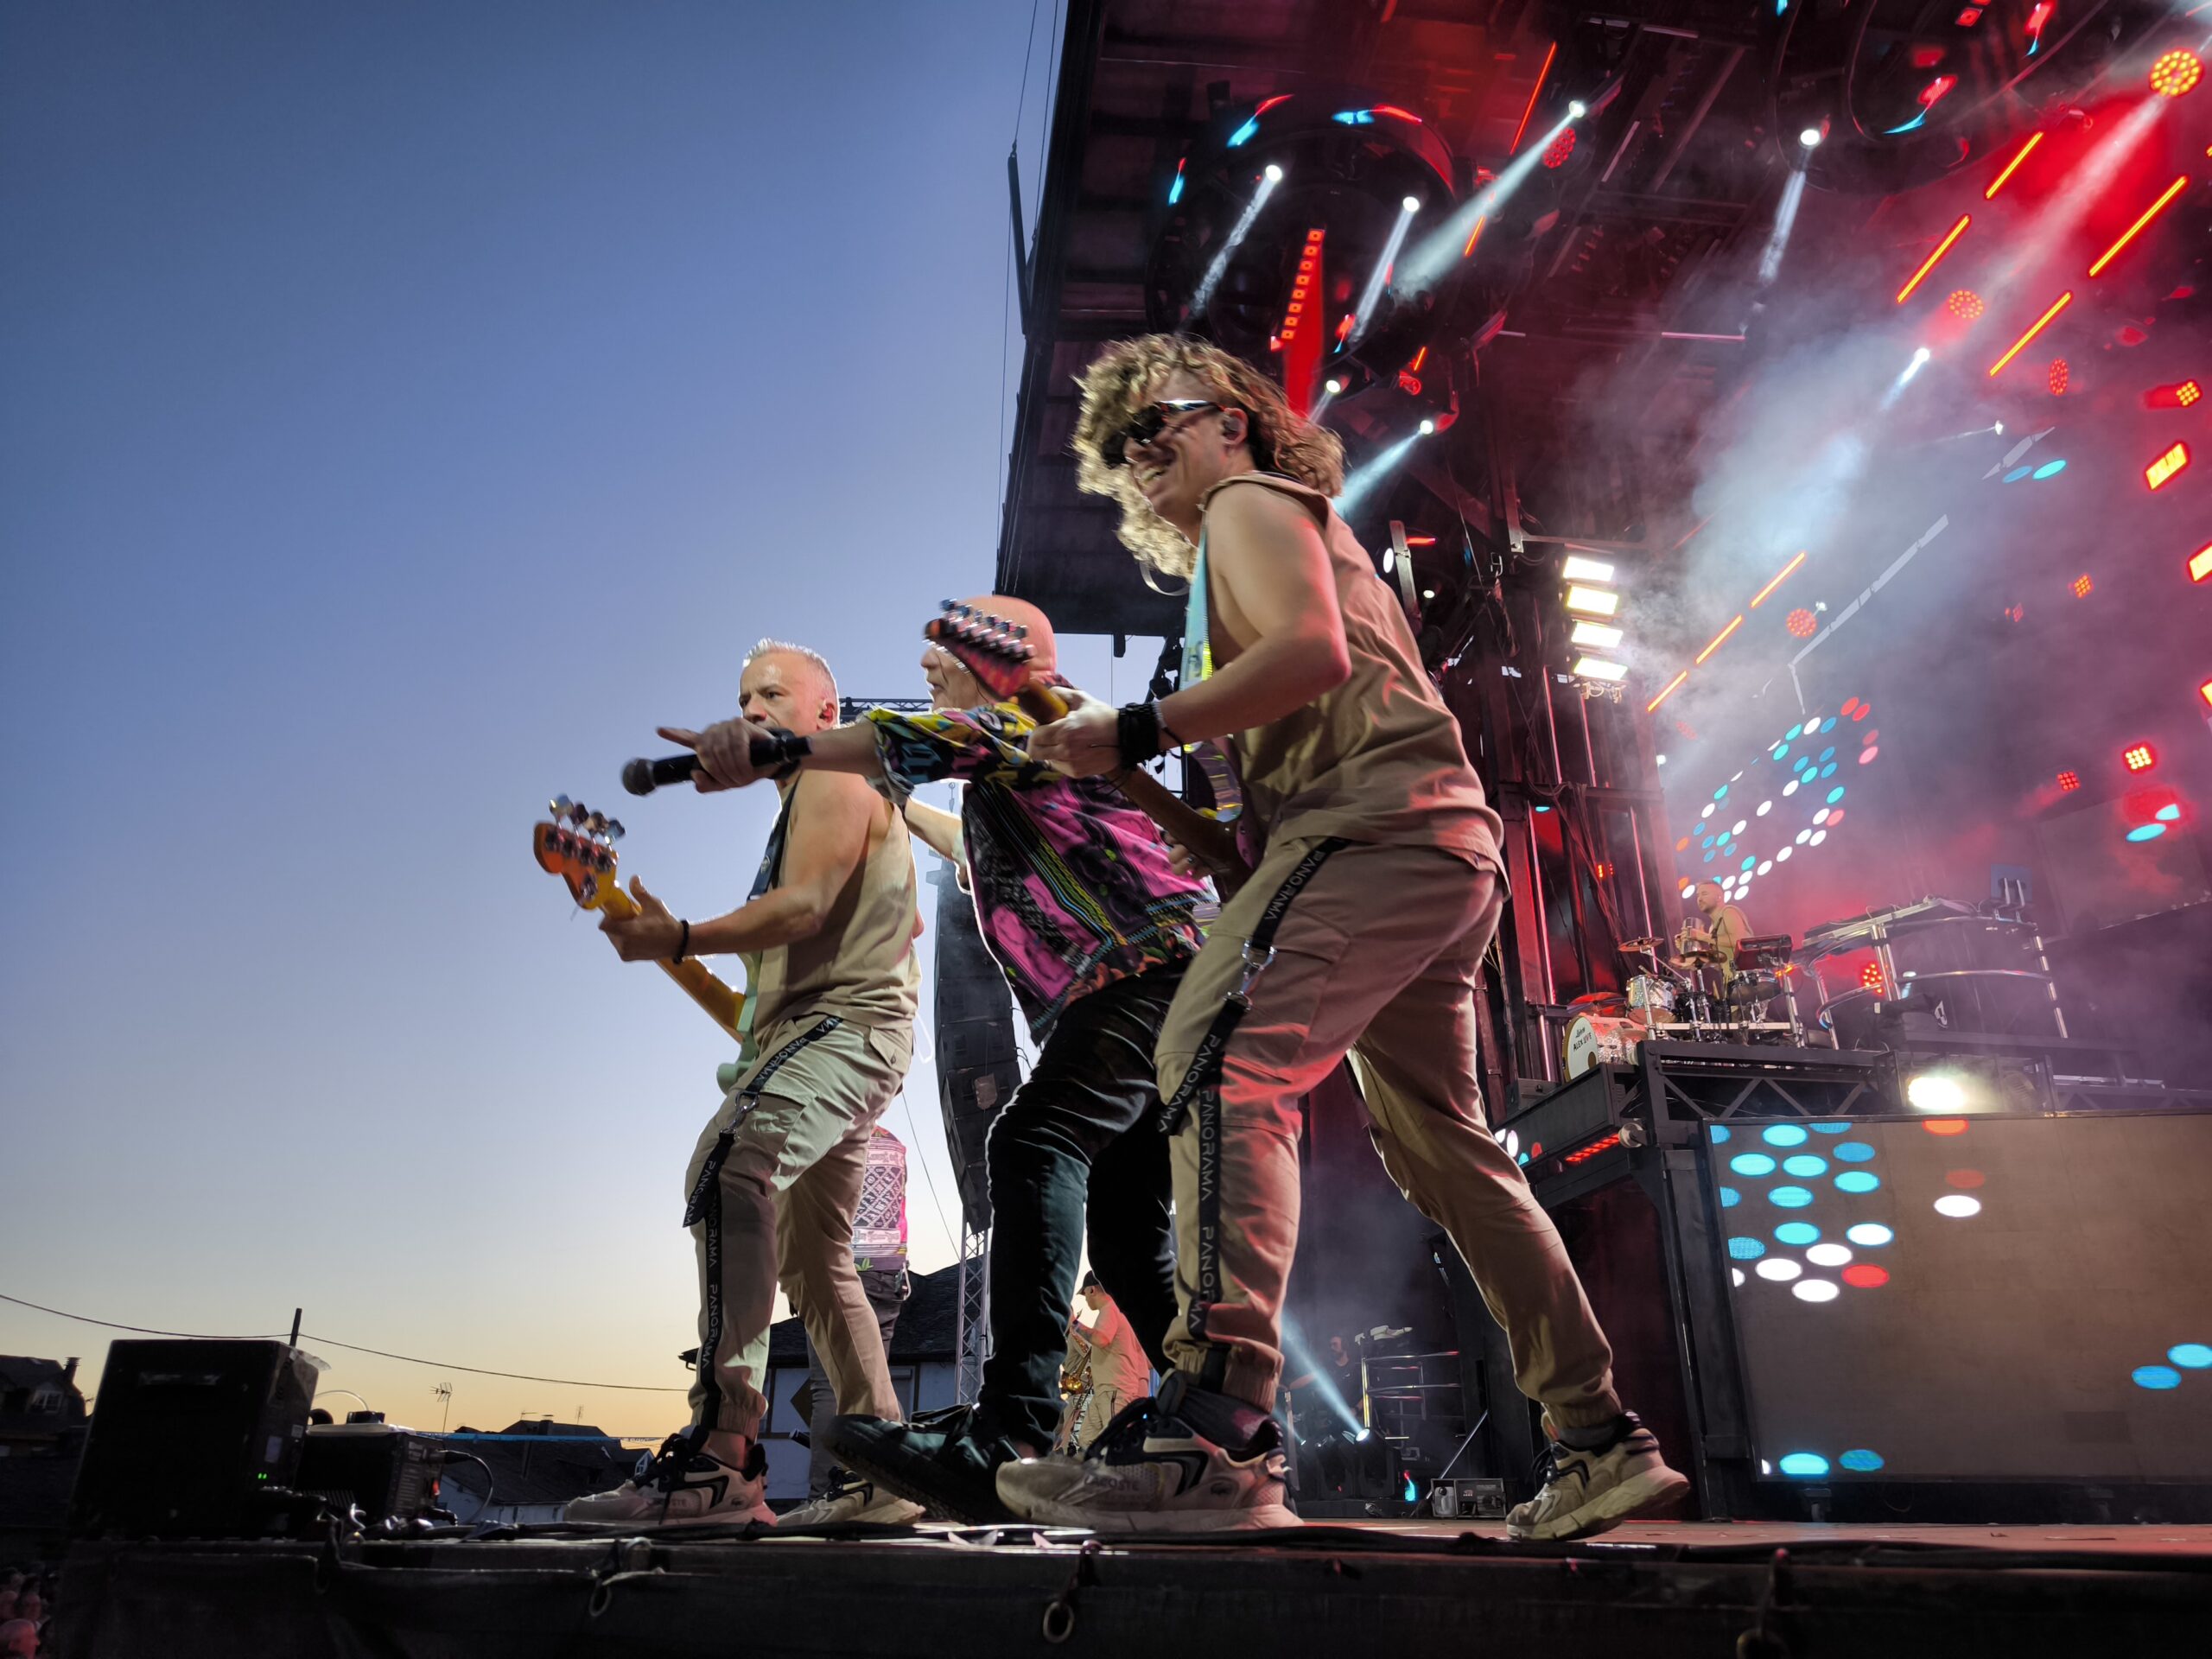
pixel 774 747
pixel 642 777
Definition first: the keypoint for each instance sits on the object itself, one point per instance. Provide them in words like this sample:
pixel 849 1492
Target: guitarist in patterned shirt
pixel 1078 902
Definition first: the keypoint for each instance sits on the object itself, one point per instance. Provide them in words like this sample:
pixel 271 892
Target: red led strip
pixel 1584 1154
pixel 1942 248
pixel 1533 91
pixel 1776 583
pixel 1990 194
pixel 2161 471
pixel 2040 325
pixel 1673 686
pixel 1718 640
pixel 2149 214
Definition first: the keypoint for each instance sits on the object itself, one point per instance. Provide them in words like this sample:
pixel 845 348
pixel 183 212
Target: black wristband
pixel 1137 732
pixel 782 750
pixel 684 941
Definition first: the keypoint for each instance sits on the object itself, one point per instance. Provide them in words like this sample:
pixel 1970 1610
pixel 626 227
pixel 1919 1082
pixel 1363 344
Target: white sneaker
pixel 679 1486
pixel 1583 1492
pixel 856 1500
pixel 1154 1470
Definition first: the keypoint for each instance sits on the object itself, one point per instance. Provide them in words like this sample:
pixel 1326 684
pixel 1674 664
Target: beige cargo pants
pixel 1376 952
pixel 772 1186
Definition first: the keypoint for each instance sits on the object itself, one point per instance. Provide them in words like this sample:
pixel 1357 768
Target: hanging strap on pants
pixel 706 1206
pixel 1201 1087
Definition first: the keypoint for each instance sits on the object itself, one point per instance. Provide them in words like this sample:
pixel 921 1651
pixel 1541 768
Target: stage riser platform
pixel 1335 1592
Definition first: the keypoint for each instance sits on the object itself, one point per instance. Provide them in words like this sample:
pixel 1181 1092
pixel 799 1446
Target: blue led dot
pixel 1745 1250
pixel 1856 1180
pixel 2017 473
pixel 1860 1461
pixel 1828 754
pixel 1784 1134
pixel 1750 863
pixel 1708 858
pixel 1781 749
pixel 1721 793
pixel 1835 794
pixel 1720 1132
pixel 1831 1128
pixel 1805 1165
pixel 1828 771
pixel 1869 1235
pixel 1730 1198
pixel 2192 1356
pixel 1796 1232
pixel 1854 1151
pixel 1804 1465
pixel 1827 726
pixel 1790 736
pixel 1790 1198
pixel 1751 1163
pixel 2156 1376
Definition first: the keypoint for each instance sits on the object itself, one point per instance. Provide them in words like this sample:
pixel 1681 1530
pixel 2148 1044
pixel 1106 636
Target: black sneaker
pixel 948 1461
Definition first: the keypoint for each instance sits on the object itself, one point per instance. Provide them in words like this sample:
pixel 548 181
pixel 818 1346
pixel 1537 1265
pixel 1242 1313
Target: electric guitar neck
pixel 578 845
pixel 1002 662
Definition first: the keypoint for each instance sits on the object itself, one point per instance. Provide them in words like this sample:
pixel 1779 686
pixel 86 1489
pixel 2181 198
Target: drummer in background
pixel 1723 929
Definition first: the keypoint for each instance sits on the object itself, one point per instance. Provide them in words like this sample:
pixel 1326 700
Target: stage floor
pixel 1712 1589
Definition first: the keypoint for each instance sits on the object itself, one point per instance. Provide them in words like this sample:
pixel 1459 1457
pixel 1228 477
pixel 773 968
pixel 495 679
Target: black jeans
pixel 1081 1133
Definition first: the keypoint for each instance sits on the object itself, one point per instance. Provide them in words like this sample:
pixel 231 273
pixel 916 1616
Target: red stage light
pixel 2161 471
pixel 1302 287
pixel 1870 975
pixel 1964 304
pixel 2200 564
pixel 2178 395
pixel 2082 586
pixel 1935 92
pixel 1267 103
pixel 2176 72
pixel 2205 691
pixel 2057 378
pixel 1865 1275
pixel 1559 148
pixel 2037 327
pixel 1968 17
pixel 1602 1143
pixel 2019 155
pixel 2140 757
pixel 2038 17
pixel 2149 214
pixel 1802 623
pixel 1392 109
pixel 1942 248
pixel 2069 782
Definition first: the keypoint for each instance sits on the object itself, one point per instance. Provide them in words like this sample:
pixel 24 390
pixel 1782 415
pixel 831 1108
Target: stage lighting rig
pixel 1904 92
pixel 1289 290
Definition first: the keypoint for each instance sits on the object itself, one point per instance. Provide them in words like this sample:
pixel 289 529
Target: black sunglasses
pixel 1148 423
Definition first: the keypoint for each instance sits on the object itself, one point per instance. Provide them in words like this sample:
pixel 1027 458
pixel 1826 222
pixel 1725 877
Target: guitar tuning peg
pixel 578 812
pixel 944 605
pixel 614 829
pixel 1021 631
pixel 596 822
pixel 558 806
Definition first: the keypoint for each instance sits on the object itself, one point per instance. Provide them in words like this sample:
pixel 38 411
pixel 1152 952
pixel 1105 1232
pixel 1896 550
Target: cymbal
pixel 1637 947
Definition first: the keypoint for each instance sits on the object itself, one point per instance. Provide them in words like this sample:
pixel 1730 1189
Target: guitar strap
pixel 1201 1087
pixel 770 873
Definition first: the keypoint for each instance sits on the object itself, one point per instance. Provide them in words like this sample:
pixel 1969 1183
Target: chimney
pixel 69 1369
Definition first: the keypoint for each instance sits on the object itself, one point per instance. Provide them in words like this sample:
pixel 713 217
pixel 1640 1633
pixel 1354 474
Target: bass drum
pixel 1599 1040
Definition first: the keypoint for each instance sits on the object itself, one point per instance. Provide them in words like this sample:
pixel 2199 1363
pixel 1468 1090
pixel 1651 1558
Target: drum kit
pixel 1684 991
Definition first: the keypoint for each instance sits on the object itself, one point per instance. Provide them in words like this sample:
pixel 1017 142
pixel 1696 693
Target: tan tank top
pixel 1378 759
pixel 861 965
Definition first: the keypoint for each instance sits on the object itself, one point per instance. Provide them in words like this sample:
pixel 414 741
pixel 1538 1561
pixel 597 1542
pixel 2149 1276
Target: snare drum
pixel 1653 994
pixel 1599 1040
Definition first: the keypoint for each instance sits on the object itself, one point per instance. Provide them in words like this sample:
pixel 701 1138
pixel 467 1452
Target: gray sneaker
pixel 854 1500
pixel 679 1486
pixel 1191 1461
pixel 1582 1492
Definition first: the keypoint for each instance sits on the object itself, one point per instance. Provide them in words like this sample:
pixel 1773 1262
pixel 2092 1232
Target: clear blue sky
pixel 405 408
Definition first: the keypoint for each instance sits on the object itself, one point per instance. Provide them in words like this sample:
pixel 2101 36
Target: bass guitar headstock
pixel 996 651
pixel 577 844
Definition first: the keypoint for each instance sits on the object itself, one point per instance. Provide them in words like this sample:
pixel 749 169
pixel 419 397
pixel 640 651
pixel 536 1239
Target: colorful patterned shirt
pixel 1073 889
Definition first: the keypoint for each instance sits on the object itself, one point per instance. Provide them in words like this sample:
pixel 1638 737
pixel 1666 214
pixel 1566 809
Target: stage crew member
pixel 1362 929
pixel 1078 900
pixel 773 1183
pixel 1119 1371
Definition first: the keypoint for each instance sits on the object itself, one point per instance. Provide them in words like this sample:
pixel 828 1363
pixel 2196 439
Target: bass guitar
pixel 577 844
pixel 1004 663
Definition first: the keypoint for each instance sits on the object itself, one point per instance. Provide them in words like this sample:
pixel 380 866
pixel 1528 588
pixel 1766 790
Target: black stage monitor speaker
pixel 186 1435
pixel 382 1471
